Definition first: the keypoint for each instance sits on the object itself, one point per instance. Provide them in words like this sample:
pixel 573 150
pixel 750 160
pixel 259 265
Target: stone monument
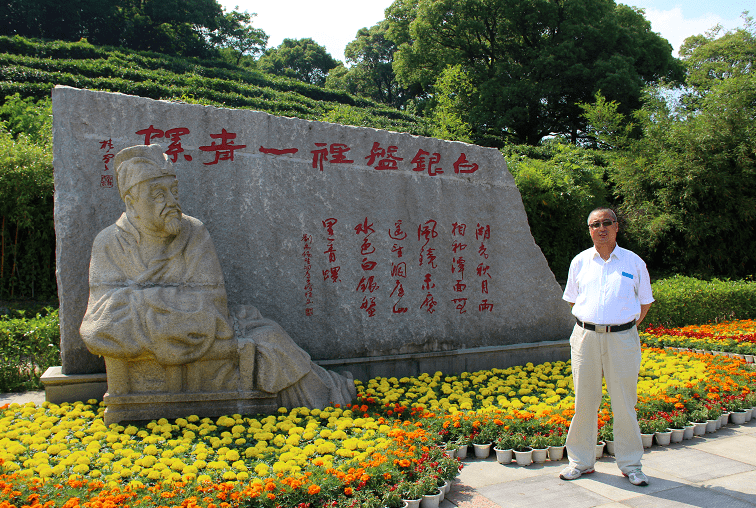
pixel 377 252
pixel 158 314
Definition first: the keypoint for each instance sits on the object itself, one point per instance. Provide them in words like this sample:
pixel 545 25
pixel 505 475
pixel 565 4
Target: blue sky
pixel 334 23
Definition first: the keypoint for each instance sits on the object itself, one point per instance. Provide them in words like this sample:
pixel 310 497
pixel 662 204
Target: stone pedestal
pixel 61 387
pixel 154 406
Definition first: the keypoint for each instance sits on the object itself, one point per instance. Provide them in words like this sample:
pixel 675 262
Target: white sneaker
pixel 573 473
pixel 637 477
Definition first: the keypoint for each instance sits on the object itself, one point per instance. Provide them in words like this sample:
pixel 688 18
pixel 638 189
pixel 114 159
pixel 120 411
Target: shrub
pixel 682 301
pixel 27 348
pixel 560 185
pixel 27 235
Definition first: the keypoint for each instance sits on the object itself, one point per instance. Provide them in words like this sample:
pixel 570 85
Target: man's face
pixel 155 205
pixel 603 235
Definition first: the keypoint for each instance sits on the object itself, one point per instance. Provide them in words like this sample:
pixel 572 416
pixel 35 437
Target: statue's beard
pixel 172 220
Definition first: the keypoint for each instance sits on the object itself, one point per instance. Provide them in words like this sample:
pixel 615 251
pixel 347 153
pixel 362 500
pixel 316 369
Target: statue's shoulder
pixel 105 236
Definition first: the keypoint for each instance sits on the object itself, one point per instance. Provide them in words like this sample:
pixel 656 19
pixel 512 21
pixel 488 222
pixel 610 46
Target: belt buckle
pixel 601 328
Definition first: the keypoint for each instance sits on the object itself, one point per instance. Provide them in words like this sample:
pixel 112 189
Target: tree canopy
pixel 371 73
pixel 688 185
pixel 531 62
pixel 302 59
pixel 168 26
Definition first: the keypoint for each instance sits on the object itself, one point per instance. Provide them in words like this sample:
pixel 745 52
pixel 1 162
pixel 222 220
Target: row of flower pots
pixel 745 357
pixel 529 455
pixel 430 500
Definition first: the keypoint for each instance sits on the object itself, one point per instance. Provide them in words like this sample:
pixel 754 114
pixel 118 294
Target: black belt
pixel 605 328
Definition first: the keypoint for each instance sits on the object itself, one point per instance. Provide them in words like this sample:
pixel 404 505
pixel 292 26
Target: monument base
pixel 451 362
pixel 61 387
pixel 150 406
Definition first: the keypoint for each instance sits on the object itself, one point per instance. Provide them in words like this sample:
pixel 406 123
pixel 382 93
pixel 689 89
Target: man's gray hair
pixel 602 209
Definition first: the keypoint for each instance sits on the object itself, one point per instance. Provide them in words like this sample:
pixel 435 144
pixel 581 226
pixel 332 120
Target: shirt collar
pixel 616 253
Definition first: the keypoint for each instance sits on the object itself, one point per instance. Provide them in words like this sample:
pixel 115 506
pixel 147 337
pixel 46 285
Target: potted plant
pixel 522 450
pixel 606 434
pixel 483 438
pixel 699 417
pixel 504 448
pixel 557 438
pixel 539 443
pixel 411 493
pixel 678 422
pixel 431 493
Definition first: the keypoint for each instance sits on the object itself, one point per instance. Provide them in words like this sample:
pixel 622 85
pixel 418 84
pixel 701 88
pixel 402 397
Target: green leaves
pixel 27 348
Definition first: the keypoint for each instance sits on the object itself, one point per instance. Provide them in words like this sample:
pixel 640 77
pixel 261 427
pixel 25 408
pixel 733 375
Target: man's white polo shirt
pixel 607 292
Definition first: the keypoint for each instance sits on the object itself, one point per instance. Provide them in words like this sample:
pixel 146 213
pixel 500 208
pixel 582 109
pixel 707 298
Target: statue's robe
pixel 174 308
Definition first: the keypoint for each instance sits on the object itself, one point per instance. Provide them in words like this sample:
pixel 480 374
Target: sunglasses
pixel 606 223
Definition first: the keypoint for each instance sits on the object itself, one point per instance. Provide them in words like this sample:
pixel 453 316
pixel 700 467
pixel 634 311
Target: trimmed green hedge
pixel 28 346
pixel 682 301
pixel 32 68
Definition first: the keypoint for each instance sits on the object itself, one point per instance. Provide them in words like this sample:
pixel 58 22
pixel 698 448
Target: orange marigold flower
pixel 313 489
pixel 348 491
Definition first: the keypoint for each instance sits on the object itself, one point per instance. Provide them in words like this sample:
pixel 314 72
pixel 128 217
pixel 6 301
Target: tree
pixel 689 184
pixel 371 74
pixel 168 26
pixel 302 59
pixel 453 92
pixel 236 33
pixel 531 61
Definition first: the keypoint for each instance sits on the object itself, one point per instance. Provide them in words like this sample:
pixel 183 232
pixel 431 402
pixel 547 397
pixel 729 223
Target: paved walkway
pixel 711 471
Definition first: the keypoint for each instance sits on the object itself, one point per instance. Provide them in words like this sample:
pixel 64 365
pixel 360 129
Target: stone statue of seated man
pixel 158 313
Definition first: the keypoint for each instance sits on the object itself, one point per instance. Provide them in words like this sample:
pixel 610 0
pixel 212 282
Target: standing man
pixel 610 293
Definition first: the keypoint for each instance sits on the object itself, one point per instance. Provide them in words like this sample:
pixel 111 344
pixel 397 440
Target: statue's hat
pixel 139 163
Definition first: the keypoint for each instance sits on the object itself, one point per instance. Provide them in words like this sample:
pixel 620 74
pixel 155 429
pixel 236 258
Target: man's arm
pixel 644 310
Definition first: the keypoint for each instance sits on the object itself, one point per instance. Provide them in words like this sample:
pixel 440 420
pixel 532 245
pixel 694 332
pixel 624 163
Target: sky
pixel 334 23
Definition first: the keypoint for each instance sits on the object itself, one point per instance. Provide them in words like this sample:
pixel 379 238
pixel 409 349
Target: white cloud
pixel 675 27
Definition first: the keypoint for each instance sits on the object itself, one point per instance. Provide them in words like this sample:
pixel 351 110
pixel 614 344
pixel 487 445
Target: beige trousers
pixel 616 356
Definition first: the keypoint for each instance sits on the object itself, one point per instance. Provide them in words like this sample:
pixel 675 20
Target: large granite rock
pixel 360 243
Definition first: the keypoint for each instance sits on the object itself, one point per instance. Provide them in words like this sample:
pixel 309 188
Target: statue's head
pixel 149 189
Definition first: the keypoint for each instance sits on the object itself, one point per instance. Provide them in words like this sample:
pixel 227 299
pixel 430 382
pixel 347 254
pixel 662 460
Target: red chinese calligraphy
pixel 364 228
pixel 174 149
pixel 224 149
pixel 328 224
pixel 368 305
pixel 367 284
pixel 485 306
pixel 387 158
pixel 460 304
pixel 276 151
pixel 429 303
pixel 399 270
pixel 397 233
pixel 462 165
pixel 307 257
pixel 425 161
pixel 106 181
pixel 483 232
pixel 150 133
pixel 398 289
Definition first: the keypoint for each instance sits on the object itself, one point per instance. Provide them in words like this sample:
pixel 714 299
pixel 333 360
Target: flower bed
pixel 387 446
pixel 732 337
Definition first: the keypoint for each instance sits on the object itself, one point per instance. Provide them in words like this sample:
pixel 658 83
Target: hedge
pixel 682 301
